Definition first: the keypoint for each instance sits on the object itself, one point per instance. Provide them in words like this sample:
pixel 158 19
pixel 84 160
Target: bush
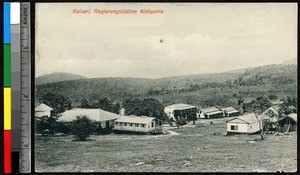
pixel 181 121
pixel 46 125
pixel 63 127
pixel 82 128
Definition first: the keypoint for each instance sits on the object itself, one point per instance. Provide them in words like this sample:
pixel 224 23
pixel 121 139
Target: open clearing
pixel 193 149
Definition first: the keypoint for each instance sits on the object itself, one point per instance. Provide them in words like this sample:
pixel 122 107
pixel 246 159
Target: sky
pixel 186 39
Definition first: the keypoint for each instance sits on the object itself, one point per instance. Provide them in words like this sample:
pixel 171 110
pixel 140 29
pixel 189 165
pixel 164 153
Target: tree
pixel 58 102
pixel 107 105
pixel 261 127
pixel 82 128
pixel 288 106
pixel 180 122
pixel 145 107
pixel 63 127
pixel 258 105
pixel 240 101
pixel 84 103
pixel 273 97
pixel 154 92
pixel 46 125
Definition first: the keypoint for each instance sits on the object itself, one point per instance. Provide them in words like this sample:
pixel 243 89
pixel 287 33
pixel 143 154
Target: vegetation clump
pixel 82 128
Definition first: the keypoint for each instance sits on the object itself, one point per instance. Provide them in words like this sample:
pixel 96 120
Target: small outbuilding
pixel 43 110
pixel 137 124
pixel 288 123
pixel 209 113
pixel 246 124
pixel 230 112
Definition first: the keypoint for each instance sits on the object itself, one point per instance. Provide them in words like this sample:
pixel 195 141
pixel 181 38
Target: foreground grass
pixel 195 149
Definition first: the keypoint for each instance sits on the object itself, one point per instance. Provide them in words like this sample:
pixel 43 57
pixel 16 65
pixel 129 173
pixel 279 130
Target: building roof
pixel 274 108
pixel 42 107
pixel 249 118
pixel 229 109
pixel 98 115
pixel 277 102
pixel 135 119
pixel 211 110
pixel 292 116
pixel 180 106
pixel 214 112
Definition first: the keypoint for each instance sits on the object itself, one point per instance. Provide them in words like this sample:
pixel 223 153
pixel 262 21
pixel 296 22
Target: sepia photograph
pixel 166 87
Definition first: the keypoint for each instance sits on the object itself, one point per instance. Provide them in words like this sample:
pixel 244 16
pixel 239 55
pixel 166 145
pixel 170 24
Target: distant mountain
pixel 290 62
pixel 57 77
pixel 218 89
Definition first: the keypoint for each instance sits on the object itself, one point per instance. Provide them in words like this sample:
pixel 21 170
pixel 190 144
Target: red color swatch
pixel 7 151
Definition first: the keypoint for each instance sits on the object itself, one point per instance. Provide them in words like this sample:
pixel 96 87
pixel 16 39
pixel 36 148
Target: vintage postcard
pixel 166 87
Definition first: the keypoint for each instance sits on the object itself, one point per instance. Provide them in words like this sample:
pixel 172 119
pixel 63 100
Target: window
pixel 143 125
pixel 234 128
pixel 125 124
pixel 130 124
pixel 137 125
pixel 250 127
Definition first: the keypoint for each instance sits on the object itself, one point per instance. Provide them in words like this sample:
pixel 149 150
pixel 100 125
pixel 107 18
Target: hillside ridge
pixel 223 89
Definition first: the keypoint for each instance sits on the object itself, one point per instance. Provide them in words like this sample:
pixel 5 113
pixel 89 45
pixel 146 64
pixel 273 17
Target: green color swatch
pixel 7 65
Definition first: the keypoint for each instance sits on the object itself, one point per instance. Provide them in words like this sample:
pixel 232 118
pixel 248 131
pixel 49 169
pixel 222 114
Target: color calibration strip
pixel 11 24
pixel 7 88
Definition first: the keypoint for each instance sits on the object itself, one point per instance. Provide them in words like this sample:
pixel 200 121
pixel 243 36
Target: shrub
pixel 82 128
pixel 46 125
pixel 181 121
pixel 63 127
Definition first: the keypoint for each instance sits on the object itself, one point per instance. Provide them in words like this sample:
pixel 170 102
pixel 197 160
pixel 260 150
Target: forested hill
pixel 57 76
pixel 220 89
pixel 290 62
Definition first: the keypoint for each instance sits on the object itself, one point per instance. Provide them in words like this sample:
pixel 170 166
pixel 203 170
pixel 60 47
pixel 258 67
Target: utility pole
pixel 260 127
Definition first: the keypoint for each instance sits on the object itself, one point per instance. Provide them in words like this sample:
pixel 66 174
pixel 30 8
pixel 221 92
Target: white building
pixel 246 124
pixel 137 124
pixel 42 110
pixel 105 119
pixel 186 110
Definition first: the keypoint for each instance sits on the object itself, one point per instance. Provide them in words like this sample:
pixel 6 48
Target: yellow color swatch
pixel 7 108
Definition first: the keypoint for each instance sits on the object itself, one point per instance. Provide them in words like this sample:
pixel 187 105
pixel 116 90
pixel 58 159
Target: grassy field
pixel 193 149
